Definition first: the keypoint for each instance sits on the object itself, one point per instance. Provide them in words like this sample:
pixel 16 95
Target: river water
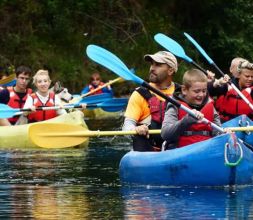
pixel 84 184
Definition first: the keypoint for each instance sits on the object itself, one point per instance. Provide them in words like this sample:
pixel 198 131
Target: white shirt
pixel 44 99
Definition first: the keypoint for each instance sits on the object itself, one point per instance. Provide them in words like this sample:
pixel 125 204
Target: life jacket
pixel 16 102
pixel 157 107
pixel 42 115
pixel 199 131
pixel 232 105
pixel 91 87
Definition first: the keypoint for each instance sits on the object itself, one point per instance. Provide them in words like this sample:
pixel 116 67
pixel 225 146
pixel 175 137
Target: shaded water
pixel 84 184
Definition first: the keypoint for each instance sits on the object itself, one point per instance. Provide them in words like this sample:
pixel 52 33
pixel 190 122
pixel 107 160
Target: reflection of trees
pixel 180 203
pixel 59 203
pixel 46 185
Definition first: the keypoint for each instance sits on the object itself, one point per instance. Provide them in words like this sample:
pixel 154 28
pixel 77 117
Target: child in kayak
pixel 95 82
pixel 179 128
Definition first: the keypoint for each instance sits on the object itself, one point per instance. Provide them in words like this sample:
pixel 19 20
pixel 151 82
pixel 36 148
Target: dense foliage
pixel 55 33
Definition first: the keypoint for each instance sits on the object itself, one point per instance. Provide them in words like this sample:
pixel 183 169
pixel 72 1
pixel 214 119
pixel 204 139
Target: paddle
pixel 119 79
pixel 211 62
pixel 92 99
pixel 110 105
pixel 50 135
pixel 7 80
pixel 175 48
pixel 110 61
pixel 79 99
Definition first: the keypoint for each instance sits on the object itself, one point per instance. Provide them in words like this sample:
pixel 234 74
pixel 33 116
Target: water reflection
pixel 84 184
pixel 186 203
pixel 64 184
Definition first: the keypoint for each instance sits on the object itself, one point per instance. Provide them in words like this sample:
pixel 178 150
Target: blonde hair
pixel 40 73
pixel 192 76
pixel 234 66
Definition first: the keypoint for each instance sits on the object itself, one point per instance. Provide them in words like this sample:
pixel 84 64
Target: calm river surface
pixel 84 184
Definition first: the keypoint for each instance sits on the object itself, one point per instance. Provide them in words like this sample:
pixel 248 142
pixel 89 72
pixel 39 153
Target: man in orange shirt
pixel 145 110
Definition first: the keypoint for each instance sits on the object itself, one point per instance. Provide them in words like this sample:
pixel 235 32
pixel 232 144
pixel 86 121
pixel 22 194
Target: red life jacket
pixel 199 131
pixel 91 88
pixel 16 102
pixel 232 105
pixel 42 115
pixel 157 107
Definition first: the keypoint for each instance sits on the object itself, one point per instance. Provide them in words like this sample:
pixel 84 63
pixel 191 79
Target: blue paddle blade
pixel 172 46
pixel 112 105
pixel 94 99
pixel 112 56
pixel 199 48
pixel 7 112
pixel 111 62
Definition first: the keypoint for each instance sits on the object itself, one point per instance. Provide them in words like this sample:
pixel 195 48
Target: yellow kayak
pixel 16 137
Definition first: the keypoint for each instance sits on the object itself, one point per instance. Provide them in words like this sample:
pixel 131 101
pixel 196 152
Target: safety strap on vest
pixel 203 133
pixel 145 93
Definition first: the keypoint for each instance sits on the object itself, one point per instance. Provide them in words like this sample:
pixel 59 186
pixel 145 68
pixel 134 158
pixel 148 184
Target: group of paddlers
pixel 217 100
pixel 213 99
pixel 21 96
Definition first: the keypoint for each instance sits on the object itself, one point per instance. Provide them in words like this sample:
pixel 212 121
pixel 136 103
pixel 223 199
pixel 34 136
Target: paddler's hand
pixel 227 130
pixel 33 108
pixel 199 115
pixel 83 106
pixel 142 130
pixel 210 76
pixel 221 81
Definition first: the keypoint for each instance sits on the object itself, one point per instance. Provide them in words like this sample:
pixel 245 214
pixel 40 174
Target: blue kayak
pixel 221 161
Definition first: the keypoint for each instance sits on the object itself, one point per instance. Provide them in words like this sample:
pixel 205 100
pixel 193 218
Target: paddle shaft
pixel 203 52
pixel 93 133
pixel 100 87
pixel 174 102
pixel 235 88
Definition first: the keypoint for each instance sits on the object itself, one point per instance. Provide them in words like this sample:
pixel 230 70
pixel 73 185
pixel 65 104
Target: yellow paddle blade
pixel 55 135
pixel 52 135
pixel 8 79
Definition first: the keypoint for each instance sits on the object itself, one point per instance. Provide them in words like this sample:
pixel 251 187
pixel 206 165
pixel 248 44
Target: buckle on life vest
pixel 203 133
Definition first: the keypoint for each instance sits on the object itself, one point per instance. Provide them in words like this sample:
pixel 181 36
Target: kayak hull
pixel 200 164
pixel 16 137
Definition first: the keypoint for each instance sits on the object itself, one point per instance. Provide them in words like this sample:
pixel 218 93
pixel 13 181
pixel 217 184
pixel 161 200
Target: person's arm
pixel 28 102
pixel 85 90
pixel 137 112
pixel 217 122
pixel 172 128
pixel 129 124
pixel 107 89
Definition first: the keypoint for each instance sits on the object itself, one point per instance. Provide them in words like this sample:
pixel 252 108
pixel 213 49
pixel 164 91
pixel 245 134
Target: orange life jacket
pixel 199 131
pixel 91 87
pixel 42 115
pixel 16 102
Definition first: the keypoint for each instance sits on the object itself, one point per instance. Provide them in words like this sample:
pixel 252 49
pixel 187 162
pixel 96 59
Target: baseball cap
pixel 163 57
